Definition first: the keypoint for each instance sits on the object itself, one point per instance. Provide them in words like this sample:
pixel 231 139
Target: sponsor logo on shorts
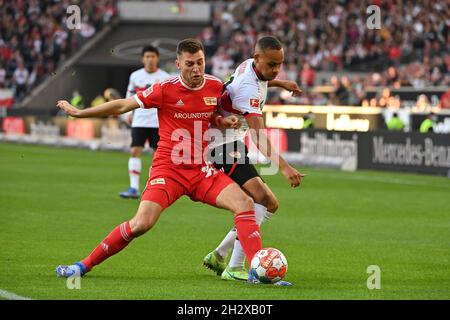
pixel 210 101
pixel 209 170
pixel 254 103
pixel 158 181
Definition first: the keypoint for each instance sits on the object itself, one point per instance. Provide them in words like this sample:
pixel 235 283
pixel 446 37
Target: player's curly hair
pixel 190 45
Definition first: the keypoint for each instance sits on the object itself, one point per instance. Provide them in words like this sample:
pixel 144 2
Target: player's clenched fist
pixel 68 108
pixel 232 122
pixel 293 87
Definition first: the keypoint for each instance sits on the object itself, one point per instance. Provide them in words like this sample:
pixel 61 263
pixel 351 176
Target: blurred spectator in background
pixel 77 100
pixel 411 49
pixel 292 72
pixel 319 99
pixel 445 100
pixel 427 124
pixel 20 79
pixel 345 93
pixel 2 75
pixel 307 75
pixel 333 35
pixel 395 124
pixel 208 39
pixel 34 33
pixel 98 100
pixel 221 64
pixel 422 104
pixel 375 80
pixel 387 100
pixel 308 122
pixel 393 78
pixel 111 94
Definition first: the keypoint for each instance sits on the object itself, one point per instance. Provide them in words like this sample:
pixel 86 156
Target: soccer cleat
pixel 215 262
pixel 283 283
pixel 131 193
pixel 230 273
pixel 253 280
pixel 63 271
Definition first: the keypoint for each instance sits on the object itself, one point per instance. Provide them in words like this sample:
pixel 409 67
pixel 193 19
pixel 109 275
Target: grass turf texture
pixel 56 205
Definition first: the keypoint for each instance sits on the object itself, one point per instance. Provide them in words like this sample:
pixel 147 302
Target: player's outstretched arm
pixel 288 85
pixel 110 108
pixel 264 145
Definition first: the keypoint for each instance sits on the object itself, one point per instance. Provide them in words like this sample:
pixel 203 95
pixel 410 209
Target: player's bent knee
pixel 266 198
pixel 136 152
pixel 146 217
pixel 244 203
pixel 272 205
pixel 262 198
pixel 141 227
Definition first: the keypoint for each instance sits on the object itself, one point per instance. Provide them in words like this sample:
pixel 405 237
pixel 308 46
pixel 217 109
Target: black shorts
pixel 232 159
pixel 139 135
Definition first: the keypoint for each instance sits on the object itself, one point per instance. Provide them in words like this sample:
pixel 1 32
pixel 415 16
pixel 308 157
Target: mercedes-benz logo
pixel 131 50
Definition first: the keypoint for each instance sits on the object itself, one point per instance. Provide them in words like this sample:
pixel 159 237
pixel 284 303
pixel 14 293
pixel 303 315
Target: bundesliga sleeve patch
pixel 254 103
pixel 147 92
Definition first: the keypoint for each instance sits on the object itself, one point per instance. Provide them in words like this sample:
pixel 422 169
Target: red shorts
pixel 168 183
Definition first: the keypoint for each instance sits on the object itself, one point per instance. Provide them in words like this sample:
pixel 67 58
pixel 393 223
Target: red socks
pixel 120 237
pixel 113 243
pixel 248 233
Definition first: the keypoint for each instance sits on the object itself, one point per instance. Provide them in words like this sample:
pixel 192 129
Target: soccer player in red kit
pixel 185 105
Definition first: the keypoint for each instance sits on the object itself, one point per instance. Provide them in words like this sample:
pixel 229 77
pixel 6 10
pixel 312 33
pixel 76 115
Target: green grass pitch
pixel 56 205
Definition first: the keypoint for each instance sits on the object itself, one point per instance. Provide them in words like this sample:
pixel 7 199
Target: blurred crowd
pixel 356 90
pixel 34 37
pixel 412 47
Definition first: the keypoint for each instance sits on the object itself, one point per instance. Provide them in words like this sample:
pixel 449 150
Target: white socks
pixel 237 259
pixel 261 214
pixel 238 256
pixel 134 169
pixel 227 243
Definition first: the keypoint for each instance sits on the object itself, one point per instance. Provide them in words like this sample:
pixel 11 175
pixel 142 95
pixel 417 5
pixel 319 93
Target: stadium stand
pixel 354 78
pixel 34 38
pixel 412 48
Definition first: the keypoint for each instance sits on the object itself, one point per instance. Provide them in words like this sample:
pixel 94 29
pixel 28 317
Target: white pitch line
pixel 12 296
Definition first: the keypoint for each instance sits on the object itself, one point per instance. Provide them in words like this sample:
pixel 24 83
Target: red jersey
pixel 184 115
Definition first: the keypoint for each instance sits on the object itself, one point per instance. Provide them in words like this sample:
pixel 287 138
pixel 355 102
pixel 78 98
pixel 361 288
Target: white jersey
pixel 245 95
pixel 139 81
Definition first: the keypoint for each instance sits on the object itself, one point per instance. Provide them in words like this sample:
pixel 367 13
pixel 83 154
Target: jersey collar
pixel 157 70
pixel 187 87
pixel 258 74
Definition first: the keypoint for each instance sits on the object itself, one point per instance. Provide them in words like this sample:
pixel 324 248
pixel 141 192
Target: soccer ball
pixel 269 265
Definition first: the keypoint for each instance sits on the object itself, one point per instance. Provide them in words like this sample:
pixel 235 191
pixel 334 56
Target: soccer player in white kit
pixel 245 95
pixel 144 122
